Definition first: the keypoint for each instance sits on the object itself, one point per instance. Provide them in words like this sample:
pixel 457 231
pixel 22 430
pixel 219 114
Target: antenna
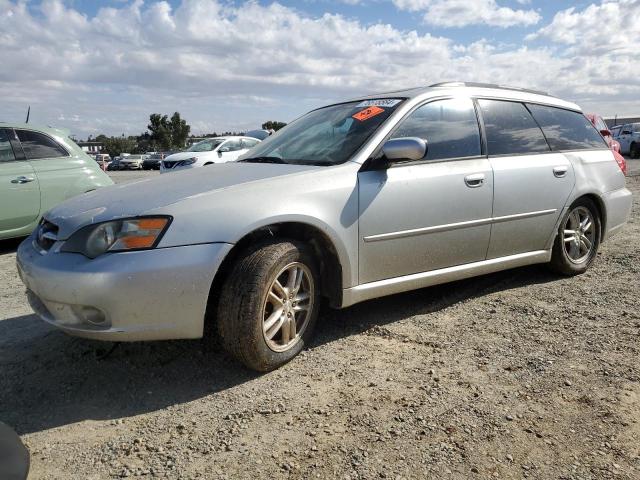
pixel 28 113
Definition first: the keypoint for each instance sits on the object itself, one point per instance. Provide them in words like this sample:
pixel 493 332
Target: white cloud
pixel 461 13
pixel 233 67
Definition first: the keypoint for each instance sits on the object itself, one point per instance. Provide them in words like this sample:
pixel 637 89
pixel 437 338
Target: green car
pixel 39 168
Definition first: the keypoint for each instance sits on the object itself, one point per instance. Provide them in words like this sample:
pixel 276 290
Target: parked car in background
pixel 114 165
pixel 615 131
pixel 602 127
pixel 356 200
pixel 209 151
pixel 39 168
pixel 260 134
pixel 132 162
pixel 103 160
pixel 629 138
pixel 152 162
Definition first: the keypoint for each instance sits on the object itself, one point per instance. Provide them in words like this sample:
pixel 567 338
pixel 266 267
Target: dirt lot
pixel 511 375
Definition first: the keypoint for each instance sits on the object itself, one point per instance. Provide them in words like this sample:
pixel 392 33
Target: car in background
pixel 629 138
pixel 260 134
pixel 615 131
pixel 209 151
pixel 152 162
pixel 114 165
pixel 39 168
pixel 604 130
pixel 103 160
pixel 132 162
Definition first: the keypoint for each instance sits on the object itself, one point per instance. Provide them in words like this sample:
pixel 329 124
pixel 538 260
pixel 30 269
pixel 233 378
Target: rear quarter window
pixel 565 129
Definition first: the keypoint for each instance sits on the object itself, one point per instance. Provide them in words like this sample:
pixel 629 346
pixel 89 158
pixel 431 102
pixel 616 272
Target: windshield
pixel 327 136
pixel 205 145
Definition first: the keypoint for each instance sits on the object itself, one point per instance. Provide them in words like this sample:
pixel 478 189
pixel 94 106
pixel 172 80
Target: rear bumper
pixel 146 295
pixel 617 204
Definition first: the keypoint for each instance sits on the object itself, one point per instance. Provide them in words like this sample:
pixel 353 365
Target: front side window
pixel 565 129
pixel 231 146
pixel 327 136
pixel 248 143
pixel 510 129
pixel 450 128
pixel 6 152
pixel 37 145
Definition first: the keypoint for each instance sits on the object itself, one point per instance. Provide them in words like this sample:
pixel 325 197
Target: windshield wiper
pixel 263 160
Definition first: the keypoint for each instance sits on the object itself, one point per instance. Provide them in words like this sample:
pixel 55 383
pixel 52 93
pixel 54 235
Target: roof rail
pixel 487 85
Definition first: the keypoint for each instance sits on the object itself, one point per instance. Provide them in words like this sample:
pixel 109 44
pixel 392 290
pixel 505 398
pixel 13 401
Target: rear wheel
pixel 578 239
pixel 269 305
pixel 634 150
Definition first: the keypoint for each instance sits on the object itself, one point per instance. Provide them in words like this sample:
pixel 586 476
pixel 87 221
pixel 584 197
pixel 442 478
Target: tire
pixel 573 257
pixel 634 150
pixel 246 308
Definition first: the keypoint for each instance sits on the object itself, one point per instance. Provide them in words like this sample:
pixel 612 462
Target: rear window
pixel 510 129
pixel 566 130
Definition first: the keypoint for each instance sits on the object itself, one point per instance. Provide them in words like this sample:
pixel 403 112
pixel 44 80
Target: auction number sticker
pixel 368 113
pixel 382 102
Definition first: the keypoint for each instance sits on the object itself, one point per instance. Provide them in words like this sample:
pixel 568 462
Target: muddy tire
pixel 269 304
pixel 579 234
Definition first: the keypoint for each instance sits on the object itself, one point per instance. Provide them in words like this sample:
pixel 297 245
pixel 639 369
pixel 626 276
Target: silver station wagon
pixel 356 200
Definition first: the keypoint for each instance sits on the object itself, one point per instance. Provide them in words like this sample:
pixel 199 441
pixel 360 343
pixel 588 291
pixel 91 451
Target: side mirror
pixel 605 133
pixel 407 148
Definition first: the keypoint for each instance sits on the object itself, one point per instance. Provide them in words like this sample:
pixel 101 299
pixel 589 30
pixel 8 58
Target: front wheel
pixel 269 304
pixel 634 150
pixel 578 239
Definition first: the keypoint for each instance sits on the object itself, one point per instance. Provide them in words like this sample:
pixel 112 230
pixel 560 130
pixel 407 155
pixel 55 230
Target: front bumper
pixel 155 294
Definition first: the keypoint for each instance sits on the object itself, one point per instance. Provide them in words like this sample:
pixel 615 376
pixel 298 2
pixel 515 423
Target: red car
pixel 602 127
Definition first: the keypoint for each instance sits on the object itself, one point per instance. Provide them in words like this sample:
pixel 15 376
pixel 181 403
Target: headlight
pixel 117 236
pixel 189 161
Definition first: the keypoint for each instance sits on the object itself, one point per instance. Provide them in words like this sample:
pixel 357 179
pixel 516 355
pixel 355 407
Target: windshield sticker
pixel 383 102
pixel 367 113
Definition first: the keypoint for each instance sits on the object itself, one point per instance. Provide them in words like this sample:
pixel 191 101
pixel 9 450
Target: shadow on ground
pixel 50 379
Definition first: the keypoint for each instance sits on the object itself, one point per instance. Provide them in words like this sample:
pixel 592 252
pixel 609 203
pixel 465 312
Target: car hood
pixel 139 197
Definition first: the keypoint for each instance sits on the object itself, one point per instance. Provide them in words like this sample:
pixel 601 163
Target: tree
pixel 179 131
pixel 160 131
pixel 115 146
pixel 273 125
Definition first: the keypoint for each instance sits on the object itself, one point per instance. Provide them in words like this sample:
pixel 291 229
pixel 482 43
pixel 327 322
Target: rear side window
pixel 6 152
pixel 510 129
pixel 450 128
pixel 37 145
pixel 567 130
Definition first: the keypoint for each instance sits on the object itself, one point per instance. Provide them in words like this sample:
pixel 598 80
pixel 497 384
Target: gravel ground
pixel 511 375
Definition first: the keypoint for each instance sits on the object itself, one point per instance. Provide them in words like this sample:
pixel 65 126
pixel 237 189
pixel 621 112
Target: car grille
pixel 46 235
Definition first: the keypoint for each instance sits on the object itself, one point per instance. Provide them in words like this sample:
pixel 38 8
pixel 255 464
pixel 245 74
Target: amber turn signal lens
pixel 152 223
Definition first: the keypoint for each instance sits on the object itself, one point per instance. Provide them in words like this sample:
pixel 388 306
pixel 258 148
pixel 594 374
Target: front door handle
pixel 23 179
pixel 560 171
pixel 474 181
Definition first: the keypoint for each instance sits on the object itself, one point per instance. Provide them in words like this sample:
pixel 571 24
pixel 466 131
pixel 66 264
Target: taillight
pixel 622 163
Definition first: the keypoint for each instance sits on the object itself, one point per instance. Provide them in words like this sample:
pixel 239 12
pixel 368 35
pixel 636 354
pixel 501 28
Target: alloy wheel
pixel 579 235
pixel 288 307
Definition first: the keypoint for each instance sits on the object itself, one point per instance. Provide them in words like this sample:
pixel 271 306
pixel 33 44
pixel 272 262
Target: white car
pixel 209 151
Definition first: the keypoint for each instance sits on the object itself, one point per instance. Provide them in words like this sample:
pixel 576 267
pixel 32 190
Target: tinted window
pixel 510 129
pixel 566 130
pixel 6 152
pixel 36 145
pixel 450 128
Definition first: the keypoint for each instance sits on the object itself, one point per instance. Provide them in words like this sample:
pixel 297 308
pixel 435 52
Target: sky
pixel 102 66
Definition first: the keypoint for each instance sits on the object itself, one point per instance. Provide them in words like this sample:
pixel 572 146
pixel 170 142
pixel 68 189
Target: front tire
pixel 578 239
pixel 269 304
pixel 634 150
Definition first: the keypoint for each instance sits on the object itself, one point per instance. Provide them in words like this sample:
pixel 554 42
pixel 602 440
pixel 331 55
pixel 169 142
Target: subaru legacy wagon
pixel 355 200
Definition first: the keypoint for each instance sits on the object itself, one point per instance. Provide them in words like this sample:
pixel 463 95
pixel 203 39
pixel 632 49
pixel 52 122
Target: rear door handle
pixel 560 171
pixel 474 181
pixel 22 179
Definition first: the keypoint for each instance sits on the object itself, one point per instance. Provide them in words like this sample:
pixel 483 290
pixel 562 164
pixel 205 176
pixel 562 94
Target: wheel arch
pixel 324 247
pixel 602 211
